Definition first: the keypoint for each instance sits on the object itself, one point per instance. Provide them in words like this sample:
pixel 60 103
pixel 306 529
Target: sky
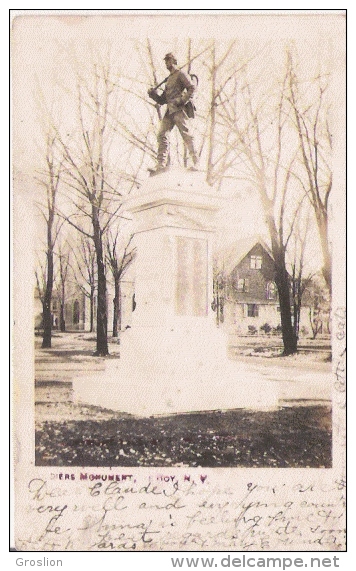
pixel 42 46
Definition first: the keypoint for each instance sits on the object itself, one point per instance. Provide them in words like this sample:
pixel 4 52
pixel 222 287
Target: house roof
pixel 230 256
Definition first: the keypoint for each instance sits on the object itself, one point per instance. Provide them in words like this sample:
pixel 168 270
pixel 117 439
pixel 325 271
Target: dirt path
pixel 71 355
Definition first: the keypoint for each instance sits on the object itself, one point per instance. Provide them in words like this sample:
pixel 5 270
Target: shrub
pixel 266 328
pixel 252 330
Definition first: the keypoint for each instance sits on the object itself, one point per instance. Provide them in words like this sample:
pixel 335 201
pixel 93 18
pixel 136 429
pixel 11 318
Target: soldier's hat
pixel 170 56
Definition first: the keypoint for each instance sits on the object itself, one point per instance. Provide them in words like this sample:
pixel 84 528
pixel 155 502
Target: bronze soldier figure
pixel 177 96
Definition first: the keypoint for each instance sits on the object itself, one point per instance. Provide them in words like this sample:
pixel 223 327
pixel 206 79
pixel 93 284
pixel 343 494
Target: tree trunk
pixel 297 303
pixel 47 302
pixel 313 322
pixel 116 326
pixel 288 334
pixel 282 282
pixel 102 319
pixel 322 222
pixel 119 313
pixel 283 287
pixel 62 323
pixel 114 319
pixel 295 319
pixel 210 165
pixel 91 310
pixel 217 306
pixel 217 301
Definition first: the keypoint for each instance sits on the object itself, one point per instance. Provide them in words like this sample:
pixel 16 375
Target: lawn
pixel 289 437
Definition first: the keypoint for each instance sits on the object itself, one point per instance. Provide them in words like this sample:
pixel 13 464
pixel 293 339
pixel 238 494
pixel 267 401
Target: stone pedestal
pixel 174 358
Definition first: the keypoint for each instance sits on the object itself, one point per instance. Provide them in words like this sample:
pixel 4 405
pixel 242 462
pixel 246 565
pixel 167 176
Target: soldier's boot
pixel 163 163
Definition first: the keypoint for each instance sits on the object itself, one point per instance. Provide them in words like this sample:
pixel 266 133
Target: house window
pixel 271 290
pixel 256 262
pixel 76 312
pixel 252 310
pixel 242 285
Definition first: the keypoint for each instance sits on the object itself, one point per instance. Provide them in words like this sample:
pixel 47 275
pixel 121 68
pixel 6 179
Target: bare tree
pixel 310 109
pixel 300 277
pixel 63 267
pixel 119 258
pixel 216 152
pixel 41 279
pixel 257 123
pixel 84 272
pixel 96 200
pixel 49 178
pixel 220 68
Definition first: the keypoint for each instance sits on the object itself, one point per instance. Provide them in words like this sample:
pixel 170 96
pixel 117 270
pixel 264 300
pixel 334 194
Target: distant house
pixel 250 292
pixel 77 308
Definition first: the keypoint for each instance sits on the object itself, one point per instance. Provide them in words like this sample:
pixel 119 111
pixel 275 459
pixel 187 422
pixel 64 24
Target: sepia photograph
pixel 179 294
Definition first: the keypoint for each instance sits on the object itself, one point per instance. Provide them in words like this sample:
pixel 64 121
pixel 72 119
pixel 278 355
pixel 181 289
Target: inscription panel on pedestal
pixel 192 276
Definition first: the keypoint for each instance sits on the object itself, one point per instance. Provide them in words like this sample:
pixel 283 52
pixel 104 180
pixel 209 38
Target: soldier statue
pixel 177 96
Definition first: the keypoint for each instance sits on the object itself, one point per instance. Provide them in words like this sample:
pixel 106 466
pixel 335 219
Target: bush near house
pixel 266 328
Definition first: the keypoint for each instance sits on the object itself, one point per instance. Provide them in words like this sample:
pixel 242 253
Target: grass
pixel 290 437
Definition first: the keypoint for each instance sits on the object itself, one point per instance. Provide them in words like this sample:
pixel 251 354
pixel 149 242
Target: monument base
pixel 174 359
pixel 164 371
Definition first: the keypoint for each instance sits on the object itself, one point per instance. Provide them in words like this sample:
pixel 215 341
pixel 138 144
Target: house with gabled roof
pixel 250 296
